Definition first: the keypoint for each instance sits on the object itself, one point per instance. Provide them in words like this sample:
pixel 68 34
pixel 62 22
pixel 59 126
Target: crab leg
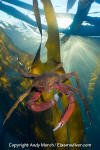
pixel 64 88
pixel 42 106
pixel 83 99
pixel 69 75
pixel 21 98
pixel 57 67
pixel 28 75
pixel 68 112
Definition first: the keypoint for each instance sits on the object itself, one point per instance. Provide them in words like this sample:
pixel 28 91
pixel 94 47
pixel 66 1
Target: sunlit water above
pixel 81 55
pixel 19 22
pixel 78 54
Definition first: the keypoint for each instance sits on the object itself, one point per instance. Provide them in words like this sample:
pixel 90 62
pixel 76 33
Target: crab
pixel 46 82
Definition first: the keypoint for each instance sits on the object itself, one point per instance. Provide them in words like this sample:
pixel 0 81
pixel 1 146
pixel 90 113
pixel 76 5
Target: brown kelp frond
pixel 53 42
pixel 21 98
pixel 37 56
pixel 93 78
pixel 37 15
pixel 38 20
pixel 82 11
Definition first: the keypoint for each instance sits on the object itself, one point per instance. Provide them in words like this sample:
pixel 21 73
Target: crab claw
pixel 43 105
pixel 67 113
pixel 58 126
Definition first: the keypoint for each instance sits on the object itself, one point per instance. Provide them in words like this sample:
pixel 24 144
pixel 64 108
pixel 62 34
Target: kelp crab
pixel 46 82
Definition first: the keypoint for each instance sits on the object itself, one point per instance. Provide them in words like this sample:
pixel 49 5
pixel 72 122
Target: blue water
pixel 81 54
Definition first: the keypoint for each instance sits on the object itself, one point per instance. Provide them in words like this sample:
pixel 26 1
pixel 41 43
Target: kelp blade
pixel 38 20
pixel 37 15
